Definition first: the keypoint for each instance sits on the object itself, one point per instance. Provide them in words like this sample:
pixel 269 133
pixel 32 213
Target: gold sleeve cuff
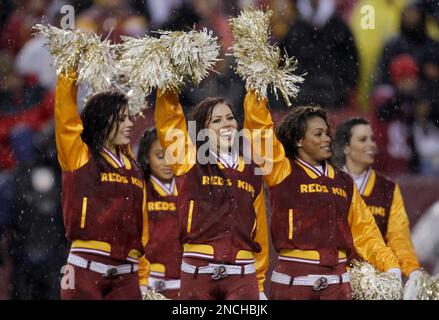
pixel 144 270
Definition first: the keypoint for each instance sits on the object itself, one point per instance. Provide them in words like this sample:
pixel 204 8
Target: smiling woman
pixel 103 195
pixel 356 150
pixel 318 216
pixel 120 133
pixel 221 213
pixel 163 250
pixel 217 116
pixel 106 123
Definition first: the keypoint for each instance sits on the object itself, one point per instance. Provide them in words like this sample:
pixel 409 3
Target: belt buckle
pixel 159 285
pixel 111 272
pixel 320 284
pixel 219 272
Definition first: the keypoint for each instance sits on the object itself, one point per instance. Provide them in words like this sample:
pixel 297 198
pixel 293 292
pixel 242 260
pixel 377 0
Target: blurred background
pixel 378 59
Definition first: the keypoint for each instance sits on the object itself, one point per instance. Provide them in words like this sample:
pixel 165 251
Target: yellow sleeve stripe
pixel 84 212
pixel 189 219
pixel 145 231
pixel 290 223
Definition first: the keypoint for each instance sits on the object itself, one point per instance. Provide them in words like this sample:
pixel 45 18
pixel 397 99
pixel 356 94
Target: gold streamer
pixel 96 61
pixel 367 283
pixel 429 287
pixel 259 63
pixel 151 294
pixel 193 54
pixel 148 65
pixel 167 62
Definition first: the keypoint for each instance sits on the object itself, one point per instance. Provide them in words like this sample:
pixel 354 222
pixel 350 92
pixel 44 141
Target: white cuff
pixel 413 286
pixel 396 272
pixel 262 296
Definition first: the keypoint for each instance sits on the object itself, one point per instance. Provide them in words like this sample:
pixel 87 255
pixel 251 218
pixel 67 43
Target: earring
pixel 299 146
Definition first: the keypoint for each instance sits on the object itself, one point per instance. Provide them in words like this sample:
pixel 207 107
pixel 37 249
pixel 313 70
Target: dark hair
pixel 99 114
pixel 146 142
pixel 293 127
pixel 202 113
pixel 343 137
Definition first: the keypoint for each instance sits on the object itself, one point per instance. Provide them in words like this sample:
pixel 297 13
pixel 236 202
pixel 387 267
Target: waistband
pixel 307 256
pixel 107 271
pixel 218 271
pixel 101 248
pixel 317 281
pixel 205 251
pixel 157 270
pixel 161 285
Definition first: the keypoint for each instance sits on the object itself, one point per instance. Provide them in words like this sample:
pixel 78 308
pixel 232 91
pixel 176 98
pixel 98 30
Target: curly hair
pixel 293 127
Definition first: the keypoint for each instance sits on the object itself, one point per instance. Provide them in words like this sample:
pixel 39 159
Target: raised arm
pixel 368 241
pixel 172 132
pixel 257 118
pixel 398 235
pixel 72 151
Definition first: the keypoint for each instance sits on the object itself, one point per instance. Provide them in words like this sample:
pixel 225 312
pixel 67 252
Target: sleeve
pixel 257 119
pixel 262 258
pixel 72 151
pixel 398 235
pixel 368 241
pixel 172 132
pixel 144 268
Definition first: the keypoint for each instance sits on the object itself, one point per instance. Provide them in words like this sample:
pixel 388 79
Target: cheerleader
pixel 163 250
pixel 317 212
pixel 221 207
pixel 355 151
pixel 103 195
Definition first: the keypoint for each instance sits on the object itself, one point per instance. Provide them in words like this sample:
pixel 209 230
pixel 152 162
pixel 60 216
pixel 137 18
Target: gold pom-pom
pixel 429 287
pixel 167 62
pixel 259 63
pixel 148 64
pixel 193 54
pixel 65 46
pixel 94 59
pixel 136 96
pixel 367 283
pixel 151 294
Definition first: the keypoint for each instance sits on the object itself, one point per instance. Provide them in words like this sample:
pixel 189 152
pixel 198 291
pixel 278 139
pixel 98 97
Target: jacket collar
pixel 314 172
pixel 162 189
